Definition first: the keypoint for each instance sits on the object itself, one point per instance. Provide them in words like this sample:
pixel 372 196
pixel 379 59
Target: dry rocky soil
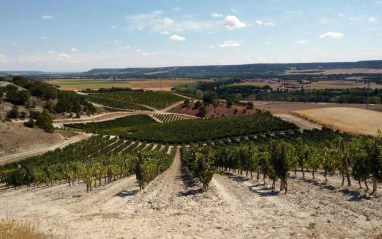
pixel 173 206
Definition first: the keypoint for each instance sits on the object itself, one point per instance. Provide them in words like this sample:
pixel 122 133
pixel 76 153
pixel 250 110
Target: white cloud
pixel 64 55
pixel 156 22
pixel 229 44
pixel 360 18
pixel 212 46
pixel 148 53
pixel 259 23
pixel 302 41
pixel 332 35
pixel 267 43
pixel 177 38
pixel 216 15
pixel 177 9
pixel 272 24
pixel 3 59
pixel 44 38
pixel 52 52
pixel 73 49
pixel 47 17
pixel 165 33
pixel 15 43
pixel 117 41
pixel 113 27
pixel 373 19
pixel 124 48
pixel 232 23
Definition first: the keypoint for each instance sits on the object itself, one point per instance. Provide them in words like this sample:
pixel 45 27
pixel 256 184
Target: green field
pixel 158 100
pixel 186 131
pixel 114 127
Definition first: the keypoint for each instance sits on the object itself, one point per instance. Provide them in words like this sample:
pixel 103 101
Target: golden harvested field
pixel 357 121
pixel 82 84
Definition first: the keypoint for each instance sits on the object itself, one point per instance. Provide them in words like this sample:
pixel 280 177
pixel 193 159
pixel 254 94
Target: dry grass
pixel 10 229
pixel 352 120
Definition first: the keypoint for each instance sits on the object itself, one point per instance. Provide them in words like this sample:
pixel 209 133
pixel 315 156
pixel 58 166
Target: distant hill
pixel 217 70
pixel 6 73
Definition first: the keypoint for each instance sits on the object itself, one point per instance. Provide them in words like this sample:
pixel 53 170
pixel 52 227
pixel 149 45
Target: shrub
pixel 30 124
pixel 14 112
pixel 45 121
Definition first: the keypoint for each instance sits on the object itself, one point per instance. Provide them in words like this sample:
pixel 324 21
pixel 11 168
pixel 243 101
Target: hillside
pixel 216 70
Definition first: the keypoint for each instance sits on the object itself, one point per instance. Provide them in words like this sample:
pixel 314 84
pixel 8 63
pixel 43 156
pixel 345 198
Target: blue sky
pixel 57 35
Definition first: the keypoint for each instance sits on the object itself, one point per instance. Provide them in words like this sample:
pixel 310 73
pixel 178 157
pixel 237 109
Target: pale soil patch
pixel 300 122
pixel 40 149
pixel 288 107
pixel 173 206
pixel 358 121
pixel 16 138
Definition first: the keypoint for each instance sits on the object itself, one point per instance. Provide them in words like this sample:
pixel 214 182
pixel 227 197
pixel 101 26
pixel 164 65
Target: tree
pixel 229 103
pixel 45 121
pixel 14 112
pixel 374 151
pixel 197 105
pixel 202 112
pixel 186 103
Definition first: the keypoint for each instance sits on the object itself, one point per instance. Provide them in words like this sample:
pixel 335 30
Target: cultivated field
pixel 82 84
pixel 358 121
pixel 321 85
pixel 173 206
pixel 288 107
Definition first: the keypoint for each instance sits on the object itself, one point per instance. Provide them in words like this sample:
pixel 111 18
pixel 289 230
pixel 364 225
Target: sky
pixel 68 35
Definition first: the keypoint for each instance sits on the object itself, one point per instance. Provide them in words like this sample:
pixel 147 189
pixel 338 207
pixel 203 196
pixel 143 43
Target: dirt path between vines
pixel 300 122
pixel 173 206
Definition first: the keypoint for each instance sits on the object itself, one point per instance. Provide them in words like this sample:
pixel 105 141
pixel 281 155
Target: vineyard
pixel 96 162
pixel 114 127
pixel 132 100
pixel 115 103
pixel 185 131
pixel 273 158
pixel 169 117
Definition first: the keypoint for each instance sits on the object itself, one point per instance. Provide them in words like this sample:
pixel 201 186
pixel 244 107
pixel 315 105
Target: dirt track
pixel 172 206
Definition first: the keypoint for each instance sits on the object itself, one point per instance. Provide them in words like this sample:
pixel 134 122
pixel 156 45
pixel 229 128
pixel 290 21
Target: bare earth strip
pixel 300 122
pixel 30 153
pixel 358 121
pixel 172 206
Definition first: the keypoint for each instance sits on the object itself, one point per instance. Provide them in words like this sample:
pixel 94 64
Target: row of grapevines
pixel 114 127
pixel 157 100
pixel 185 131
pixel 273 157
pixel 169 117
pixel 114 103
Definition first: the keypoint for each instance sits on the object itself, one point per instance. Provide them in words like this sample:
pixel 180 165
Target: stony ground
pixel 173 206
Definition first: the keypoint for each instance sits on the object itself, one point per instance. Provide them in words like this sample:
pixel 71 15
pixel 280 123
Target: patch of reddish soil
pixel 212 111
